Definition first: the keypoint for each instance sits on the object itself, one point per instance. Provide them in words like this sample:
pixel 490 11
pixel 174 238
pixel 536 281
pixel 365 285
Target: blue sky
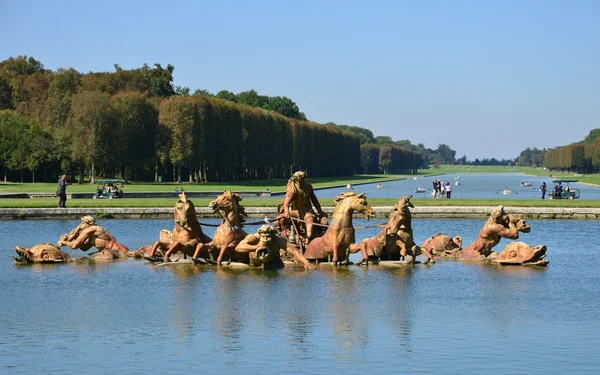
pixel 488 78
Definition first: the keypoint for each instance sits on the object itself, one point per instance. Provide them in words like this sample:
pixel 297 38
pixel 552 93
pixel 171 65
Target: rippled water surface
pixel 453 317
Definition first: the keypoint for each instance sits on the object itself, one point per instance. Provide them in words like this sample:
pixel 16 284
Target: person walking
pixel 61 191
pixel 543 188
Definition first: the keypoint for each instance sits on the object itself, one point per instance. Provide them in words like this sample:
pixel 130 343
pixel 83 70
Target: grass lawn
pixel 272 202
pixel 273 185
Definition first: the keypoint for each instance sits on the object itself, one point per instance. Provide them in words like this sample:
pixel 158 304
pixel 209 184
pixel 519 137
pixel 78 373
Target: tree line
pixel 579 157
pixel 134 124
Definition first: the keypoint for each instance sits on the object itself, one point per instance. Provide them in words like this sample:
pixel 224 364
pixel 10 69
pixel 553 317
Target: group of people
pixel 441 189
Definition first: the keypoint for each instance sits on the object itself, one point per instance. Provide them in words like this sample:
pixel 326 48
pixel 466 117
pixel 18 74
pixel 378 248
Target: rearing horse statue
pixel 402 242
pixel 187 234
pixel 385 240
pixel 340 234
pixel 229 234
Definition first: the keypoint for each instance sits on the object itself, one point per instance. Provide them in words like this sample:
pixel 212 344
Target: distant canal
pixel 450 318
pixel 478 185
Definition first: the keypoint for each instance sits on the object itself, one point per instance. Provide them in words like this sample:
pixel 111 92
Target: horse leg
pixel 428 254
pixel 221 253
pixel 199 249
pixel 335 259
pixel 355 248
pixel 309 227
pixel 152 252
pixel 403 249
pixel 172 250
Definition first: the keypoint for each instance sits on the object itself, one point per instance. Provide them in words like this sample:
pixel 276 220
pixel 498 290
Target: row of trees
pixel 133 124
pixel 531 157
pixel 580 157
pixel 279 104
pixel 389 159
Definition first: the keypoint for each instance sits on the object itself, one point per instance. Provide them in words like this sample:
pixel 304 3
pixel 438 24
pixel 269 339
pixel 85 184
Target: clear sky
pixel 488 78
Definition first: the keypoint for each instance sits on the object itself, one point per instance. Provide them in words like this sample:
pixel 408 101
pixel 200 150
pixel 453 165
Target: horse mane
pixel 348 194
pixel 236 198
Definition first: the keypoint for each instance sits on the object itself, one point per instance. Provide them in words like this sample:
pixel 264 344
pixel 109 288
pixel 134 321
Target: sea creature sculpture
pixel 88 234
pixel 443 245
pixel 499 225
pixel 521 254
pixel 41 253
pixel 265 248
pixel 340 233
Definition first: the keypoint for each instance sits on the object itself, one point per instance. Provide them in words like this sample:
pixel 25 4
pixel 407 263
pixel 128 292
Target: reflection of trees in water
pixel 347 312
pixel 185 308
pixel 302 311
pixel 508 295
pixel 393 304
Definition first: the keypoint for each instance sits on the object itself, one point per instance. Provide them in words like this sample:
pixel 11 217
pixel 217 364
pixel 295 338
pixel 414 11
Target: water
pixel 471 186
pixel 453 317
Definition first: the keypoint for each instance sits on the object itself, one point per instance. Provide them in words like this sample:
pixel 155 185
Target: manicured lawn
pixel 272 202
pixel 273 185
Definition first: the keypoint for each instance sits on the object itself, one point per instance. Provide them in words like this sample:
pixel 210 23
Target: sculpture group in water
pixel 299 236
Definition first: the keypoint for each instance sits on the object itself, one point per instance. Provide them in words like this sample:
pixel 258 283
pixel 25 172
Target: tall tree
pixel 137 121
pixel 92 123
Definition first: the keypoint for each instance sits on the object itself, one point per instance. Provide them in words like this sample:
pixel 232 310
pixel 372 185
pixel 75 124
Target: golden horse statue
pixel 340 234
pixel 402 242
pixel 229 234
pixel 385 241
pixel 186 236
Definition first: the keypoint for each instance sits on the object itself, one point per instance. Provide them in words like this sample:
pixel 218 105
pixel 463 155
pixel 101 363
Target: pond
pixel 474 185
pixel 452 317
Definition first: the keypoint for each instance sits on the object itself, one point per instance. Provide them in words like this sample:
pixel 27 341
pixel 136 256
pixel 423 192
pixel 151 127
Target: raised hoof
pixel 151 259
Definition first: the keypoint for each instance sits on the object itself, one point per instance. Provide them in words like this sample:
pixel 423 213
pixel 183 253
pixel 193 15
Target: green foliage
pixel 183 91
pixel 593 136
pixel 137 121
pixel 93 124
pixel 202 92
pixel 13 133
pixel 383 140
pixel 108 123
pixel 366 136
pixel 227 95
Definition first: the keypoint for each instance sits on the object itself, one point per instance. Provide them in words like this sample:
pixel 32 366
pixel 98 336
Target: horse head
pixel 228 205
pixel 185 211
pixel 354 202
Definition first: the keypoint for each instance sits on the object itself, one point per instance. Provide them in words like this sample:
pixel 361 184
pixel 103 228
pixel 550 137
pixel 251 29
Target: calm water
pixel 471 186
pixel 452 318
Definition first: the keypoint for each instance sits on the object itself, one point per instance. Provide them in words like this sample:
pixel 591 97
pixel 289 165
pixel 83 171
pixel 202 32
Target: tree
pixel 383 140
pixel 92 123
pixel 182 91
pixel 159 81
pixel 227 95
pixel 285 106
pixel 136 130
pixel 385 159
pixel 591 138
pixel 252 99
pixel 446 154
pixel 13 131
pixel 202 92
pixel 40 147
pixel 180 116
pixel 366 136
